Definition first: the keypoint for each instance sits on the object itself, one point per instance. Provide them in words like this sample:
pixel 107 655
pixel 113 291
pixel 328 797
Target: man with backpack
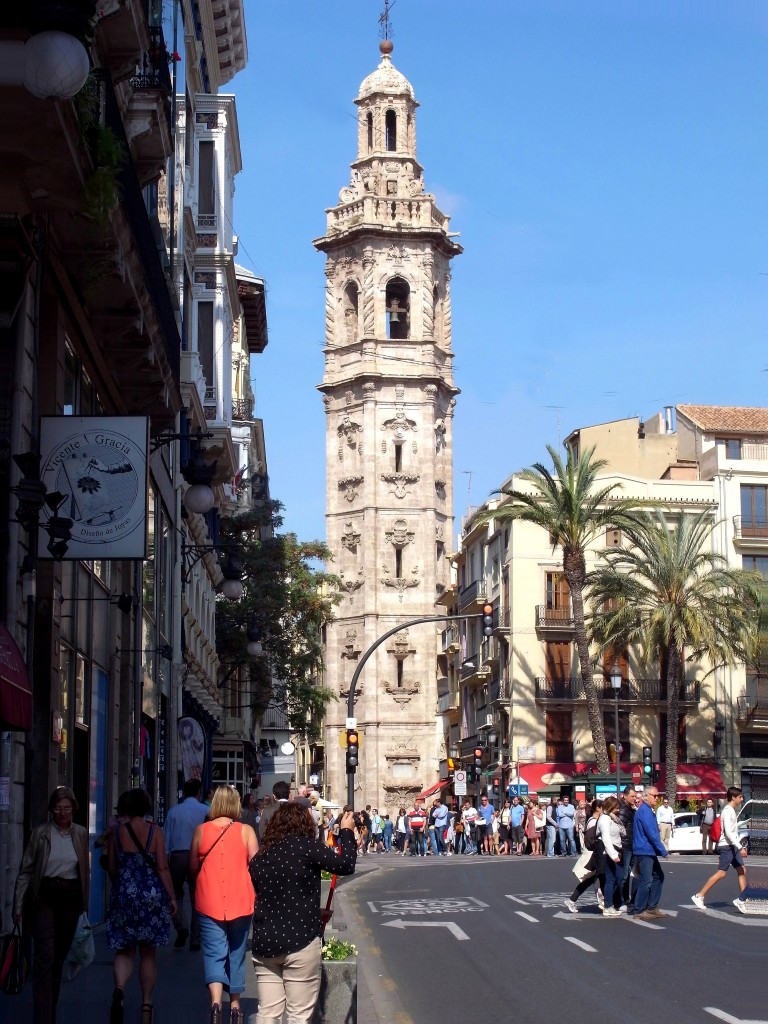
pixel 729 849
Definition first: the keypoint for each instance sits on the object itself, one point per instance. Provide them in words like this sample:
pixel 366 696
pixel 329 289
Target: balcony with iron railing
pixel 751 528
pixel 473 669
pixel 499 691
pixel 502 620
pixel 447 702
pixel 473 596
pixel 242 409
pixel 752 710
pixel 750 457
pixel 553 620
pixel 632 691
pixel 450 639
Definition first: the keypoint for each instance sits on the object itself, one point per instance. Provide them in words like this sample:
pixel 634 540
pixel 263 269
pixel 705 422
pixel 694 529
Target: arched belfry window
pixel 398 308
pixel 369 125
pixel 390 124
pixel 351 305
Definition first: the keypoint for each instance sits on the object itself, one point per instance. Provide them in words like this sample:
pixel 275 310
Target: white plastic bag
pixel 82 951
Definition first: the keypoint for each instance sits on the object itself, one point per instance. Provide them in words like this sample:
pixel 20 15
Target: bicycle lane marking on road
pixel 419 907
pixel 527 917
pixel 729 1018
pixel 582 945
pixel 740 919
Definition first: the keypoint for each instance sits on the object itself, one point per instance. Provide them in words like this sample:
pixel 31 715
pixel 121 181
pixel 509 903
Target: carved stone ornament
pixel 399 392
pixel 400 482
pixel 349 397
pixel 400 424
pixel 350 648
pixel 369 392
pixel 349 586
pixel 440 488
pixel 400 536
pixel 344 691
pixel 400 796
pixel 348 485
pixel 400 645
pixel 401 583
pixel 401 694
pixel 439 531
pixel 350 538
pixel 398 255
pixel 347 430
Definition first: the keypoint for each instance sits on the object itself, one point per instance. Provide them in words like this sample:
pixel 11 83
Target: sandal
pixel 235 1015
pixel 147 1013
pixel 116 1009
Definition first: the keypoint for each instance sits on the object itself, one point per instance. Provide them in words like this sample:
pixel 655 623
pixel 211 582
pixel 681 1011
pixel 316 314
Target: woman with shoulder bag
pixel 52 887
pixel 141 901
pixel 589 867
pixel 218 858
pixel 612 834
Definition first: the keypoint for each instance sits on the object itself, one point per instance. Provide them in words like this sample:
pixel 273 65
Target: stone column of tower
pixel 389 398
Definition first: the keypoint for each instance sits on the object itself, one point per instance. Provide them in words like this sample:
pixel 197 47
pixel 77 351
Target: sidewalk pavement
pixel 181 996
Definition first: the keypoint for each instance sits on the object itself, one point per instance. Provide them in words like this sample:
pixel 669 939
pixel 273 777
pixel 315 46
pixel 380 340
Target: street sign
pixel 460 783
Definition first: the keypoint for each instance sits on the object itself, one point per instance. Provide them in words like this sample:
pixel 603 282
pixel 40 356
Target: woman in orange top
pixel 219 856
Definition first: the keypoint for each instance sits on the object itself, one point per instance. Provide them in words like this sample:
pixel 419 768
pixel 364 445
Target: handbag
pixel 14 962
pixel 583 868
pixel 82 951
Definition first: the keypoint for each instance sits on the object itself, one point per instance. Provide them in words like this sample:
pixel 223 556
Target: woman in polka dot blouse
pixel 286 923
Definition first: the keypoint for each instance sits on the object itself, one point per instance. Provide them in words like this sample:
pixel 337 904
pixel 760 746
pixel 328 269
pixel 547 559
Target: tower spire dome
pixel 386 80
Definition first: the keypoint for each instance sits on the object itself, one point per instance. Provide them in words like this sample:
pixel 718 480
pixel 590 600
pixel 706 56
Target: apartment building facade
pixel 522 686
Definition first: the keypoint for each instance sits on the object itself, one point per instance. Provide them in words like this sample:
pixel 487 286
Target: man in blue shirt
pixel 439 819
pixel 516 819
pixel 647 847
pixel 566 819
pixel 180 824
pixel 484 827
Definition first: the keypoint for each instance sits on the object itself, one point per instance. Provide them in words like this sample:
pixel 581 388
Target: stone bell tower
pixel 389 399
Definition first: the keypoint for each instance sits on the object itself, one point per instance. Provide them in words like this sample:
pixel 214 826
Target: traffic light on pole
pixel 353 750
pixel 487 619
pixel 656 772
pixel 647 765
pixel 478 760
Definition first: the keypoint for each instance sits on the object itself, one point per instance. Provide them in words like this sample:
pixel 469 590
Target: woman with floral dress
pixel 141 902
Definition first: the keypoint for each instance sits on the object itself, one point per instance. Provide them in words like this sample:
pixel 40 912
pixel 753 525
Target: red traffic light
pixel 478 752
pixel 487 619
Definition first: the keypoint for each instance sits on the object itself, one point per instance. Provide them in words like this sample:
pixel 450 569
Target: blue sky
pixel 607 166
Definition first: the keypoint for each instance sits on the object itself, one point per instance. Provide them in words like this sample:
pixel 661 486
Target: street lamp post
pixel 616 684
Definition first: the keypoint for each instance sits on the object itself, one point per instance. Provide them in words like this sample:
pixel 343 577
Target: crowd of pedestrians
pixel 230 856
pixel 252 871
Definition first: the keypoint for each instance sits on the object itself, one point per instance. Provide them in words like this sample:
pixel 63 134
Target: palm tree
pixel 673 596
pixel 569 505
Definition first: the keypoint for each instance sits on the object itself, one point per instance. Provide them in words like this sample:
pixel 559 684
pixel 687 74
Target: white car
pixel 686 834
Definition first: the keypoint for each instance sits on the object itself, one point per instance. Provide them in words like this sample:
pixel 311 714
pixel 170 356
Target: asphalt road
pixel 490 939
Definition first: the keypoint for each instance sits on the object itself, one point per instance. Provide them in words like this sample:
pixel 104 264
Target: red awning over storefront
pixel 433 789
pixel 696 780
pixel 693 780
pixel 15 690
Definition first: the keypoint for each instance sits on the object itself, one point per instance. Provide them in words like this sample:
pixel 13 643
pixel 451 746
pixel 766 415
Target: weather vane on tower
pixel 385 28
